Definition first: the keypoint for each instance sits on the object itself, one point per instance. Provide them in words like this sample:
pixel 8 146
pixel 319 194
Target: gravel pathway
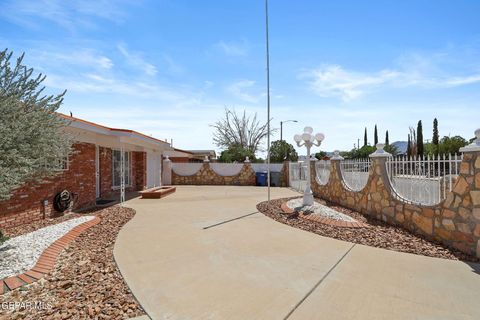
pixel 318 209
pixel 20 254
pixel 378 234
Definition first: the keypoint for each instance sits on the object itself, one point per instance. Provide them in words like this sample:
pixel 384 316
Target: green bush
pixel 2 237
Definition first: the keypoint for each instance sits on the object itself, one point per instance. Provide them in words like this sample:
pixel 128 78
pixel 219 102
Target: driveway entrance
pixel 205 252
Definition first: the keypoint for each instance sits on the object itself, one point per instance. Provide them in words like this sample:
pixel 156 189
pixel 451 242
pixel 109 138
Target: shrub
pixel 2 237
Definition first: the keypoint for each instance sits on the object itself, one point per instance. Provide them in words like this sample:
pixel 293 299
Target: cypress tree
pixel 375 136
pixel 435 136
pixel 387 142
pixel 365 142
pixel 420 139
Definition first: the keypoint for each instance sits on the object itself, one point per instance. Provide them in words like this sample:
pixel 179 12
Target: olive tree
pixel 33 145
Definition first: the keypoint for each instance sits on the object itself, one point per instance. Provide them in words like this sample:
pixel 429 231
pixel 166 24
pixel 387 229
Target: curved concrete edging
pixel 47 260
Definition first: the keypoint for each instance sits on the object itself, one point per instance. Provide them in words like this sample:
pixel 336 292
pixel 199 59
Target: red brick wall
pixel 139 170
pixel 26 204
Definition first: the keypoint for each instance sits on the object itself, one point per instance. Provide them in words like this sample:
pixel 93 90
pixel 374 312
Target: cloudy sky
pixel 169 68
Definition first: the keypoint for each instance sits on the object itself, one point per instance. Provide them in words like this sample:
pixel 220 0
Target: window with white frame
pixel 117 168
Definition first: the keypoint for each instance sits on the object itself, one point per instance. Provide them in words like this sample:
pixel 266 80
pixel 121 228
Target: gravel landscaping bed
pixel 85 283
pixel 378 234
pixel 19 254
pixel 35 225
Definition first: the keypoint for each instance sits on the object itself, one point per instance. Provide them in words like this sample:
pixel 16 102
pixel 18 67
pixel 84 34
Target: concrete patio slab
pixel 373 283
pixel 256 268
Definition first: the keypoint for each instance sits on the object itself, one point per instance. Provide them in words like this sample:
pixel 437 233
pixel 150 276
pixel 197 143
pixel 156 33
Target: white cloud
pixel 333 80
pixel 242 90
pixel 81 57
pixel 413 71
pixel 68 14
pixel 92 83
pixel 135 59
pixel 235 49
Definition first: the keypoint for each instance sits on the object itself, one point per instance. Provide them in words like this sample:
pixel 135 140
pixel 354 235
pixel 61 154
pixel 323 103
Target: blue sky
pixel 168 68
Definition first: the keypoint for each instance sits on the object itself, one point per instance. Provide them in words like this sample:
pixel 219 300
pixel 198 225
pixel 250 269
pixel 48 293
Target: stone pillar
pixel 335 160
pixel 379 159
pixel 167 172
pixel 467 189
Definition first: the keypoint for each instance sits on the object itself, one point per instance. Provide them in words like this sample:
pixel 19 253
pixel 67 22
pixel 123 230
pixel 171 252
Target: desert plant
pixel 33 145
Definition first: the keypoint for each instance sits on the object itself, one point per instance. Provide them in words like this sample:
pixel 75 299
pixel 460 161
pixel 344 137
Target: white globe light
pixel 320 137
pixel 297 138
pixel 306 136
pixel 308 130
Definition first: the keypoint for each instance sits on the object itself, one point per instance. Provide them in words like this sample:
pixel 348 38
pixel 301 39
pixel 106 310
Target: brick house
pixel 92 171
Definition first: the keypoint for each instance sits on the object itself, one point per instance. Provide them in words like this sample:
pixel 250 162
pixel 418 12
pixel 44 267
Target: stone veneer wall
pixel 206 176
pixel 455 221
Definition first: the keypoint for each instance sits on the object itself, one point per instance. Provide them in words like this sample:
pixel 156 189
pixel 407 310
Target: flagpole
pixel 268 100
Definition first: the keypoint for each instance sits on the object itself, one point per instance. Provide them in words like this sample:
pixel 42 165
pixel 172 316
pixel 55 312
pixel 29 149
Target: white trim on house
pixel 116 139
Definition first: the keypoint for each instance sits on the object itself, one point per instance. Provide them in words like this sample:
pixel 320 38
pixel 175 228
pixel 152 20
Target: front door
pixel 97 171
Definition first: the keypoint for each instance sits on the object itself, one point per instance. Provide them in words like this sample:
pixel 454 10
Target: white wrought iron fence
pixel 322 170
pixel 297 175
pixel 423 180
pixel 355 173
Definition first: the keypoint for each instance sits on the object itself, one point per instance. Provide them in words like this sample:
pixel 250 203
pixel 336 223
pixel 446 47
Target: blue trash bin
pixel 262 178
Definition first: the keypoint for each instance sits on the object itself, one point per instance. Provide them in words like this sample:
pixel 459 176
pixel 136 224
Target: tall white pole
pixel 122 175
pixel 268 101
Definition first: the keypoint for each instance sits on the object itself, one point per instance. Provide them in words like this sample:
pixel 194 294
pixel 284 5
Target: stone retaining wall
pixel 455 221
pixel 206 176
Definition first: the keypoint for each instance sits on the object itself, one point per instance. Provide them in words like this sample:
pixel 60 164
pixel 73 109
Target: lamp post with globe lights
pixel 308 140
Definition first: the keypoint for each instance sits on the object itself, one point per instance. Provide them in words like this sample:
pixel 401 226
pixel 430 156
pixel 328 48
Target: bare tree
pixel 413 137
pixel 239 130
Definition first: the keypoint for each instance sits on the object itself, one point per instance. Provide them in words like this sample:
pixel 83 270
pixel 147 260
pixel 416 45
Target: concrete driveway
pixel 205 253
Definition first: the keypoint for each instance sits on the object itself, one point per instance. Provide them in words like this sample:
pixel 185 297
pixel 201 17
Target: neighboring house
pixel 92 171
pixel 178 155
pixel 199 155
